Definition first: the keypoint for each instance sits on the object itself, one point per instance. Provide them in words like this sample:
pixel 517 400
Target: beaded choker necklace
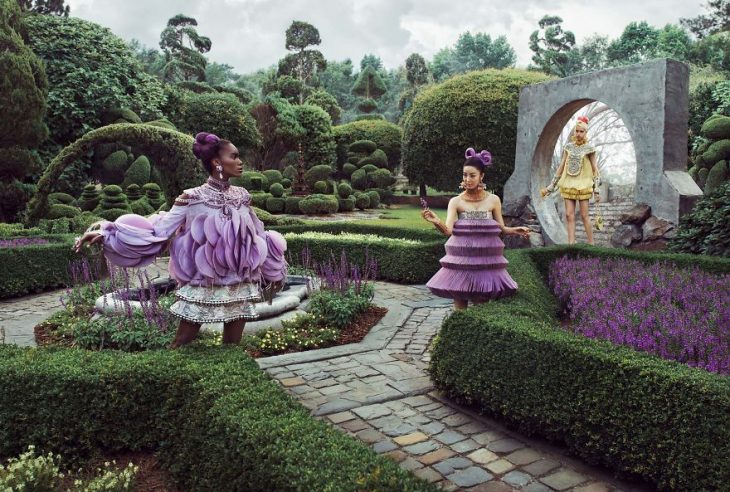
pixel 218 184
pixel 477 196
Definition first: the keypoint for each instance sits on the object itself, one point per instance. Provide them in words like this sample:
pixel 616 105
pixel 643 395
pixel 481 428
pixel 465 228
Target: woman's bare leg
pixel 586 220
pixel 233 331
pixel 570 219
pixel 460 304
pixel 186 333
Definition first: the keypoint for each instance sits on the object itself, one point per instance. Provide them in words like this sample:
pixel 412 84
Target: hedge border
pixel 634 412
pixel 215 419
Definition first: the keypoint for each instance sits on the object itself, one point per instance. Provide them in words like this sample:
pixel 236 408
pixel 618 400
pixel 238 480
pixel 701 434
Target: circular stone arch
pixel 171 153
pixel 651 98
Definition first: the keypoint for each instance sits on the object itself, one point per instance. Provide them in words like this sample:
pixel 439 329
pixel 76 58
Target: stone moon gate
pixel 651 98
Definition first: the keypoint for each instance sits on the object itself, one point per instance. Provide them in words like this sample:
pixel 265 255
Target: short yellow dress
pixel 576 182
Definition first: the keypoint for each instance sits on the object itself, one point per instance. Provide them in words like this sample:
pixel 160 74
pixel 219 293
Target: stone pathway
pixel 379 392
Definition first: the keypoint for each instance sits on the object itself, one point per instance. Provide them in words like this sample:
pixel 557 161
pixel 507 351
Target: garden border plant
pixel 213 417
pixel 633 412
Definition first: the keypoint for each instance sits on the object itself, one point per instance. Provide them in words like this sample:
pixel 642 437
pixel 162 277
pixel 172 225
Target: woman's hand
pixel 596 197
pixel 91 237
pixel 522 231
pixel 430 216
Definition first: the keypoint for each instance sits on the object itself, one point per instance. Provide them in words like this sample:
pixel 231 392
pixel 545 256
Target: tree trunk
pixel 422 190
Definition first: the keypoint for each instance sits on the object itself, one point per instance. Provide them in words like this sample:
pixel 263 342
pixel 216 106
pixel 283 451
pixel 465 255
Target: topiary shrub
pixel 273 176
pixel 716 127
pixel 252 181
pixel 718 174
pixel 162 123
pixel 59 210
pixel 275 205
pixel 142 207
pixel 716 151
pixel 89 71
pixel 327 102
pixel 319 204
pixel 318 143
pixel 377 159
pixel 62 198
pixel 114 166
pixel 292 205
pixel 381 178
pixel 286 183
pixel 348 169
pixel 264 216
pixel 366 147
pixel 119 115
pixel 359 179
pixel 362 201
pixel 477 109
pixel 154 195
pixel 133 192
pixel 346 204
pixel 276 190
pixel 344 190
pixel 321 172
pixel 290 172
pixel 702 175
pixel 89 198
pixel 138 172
pixel 387 137
pixel 257 184
pixel 374 198
pixel 369 168
pixel 705 230
pixel 320 187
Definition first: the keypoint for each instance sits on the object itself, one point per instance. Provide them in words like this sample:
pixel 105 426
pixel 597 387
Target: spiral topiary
pixel 133 192
pixel 154 195
pixel 89 198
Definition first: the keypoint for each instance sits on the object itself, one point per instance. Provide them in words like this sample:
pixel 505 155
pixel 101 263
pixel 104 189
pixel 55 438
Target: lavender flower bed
pixel 19 242
pixel 678 314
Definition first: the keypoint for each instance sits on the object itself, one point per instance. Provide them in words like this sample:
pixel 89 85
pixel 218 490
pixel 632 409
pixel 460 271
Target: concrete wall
pixel 652 99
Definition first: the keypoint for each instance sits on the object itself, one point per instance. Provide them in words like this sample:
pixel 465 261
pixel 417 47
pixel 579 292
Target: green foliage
pixel 45 7
pixel 369 84
pixel 318 143
pixel 273 176
pixel 162 123
pixel 337 310
pixel 201 408
pixel 374 198
pixel 303 63
pixel 359 179
pixel 119 115
pixel 348 169
pixel 716 20
pixel 154 195
pixel 23 88
pixel 417 69
pixel 381 178
pixel 367 105
pixel 610 405
pixel 142 207
pixel 366 147
pixel 377 159
pixel 290 172
pixel 184 49
pixel 114 167
pixel 344 190
pixel 133 192
pixel 292 205
pixel 386 136
pixel 259 199
pixel 471 52
pixel 63 198
pixel 362 201
pixel 286 183
pixel 478 109
pixel 320 187
pixel 346 204
pixel 554 47
pixel 138 172
pixel 58 210
pixel 221 114
pixel 276 190
pixel 321 172
pixel 275 205
pixel 704 231
pixel 718 174
pixel 252 181
pixel 319 204
pixel 327 102
pixel 716 128
pixel 82 83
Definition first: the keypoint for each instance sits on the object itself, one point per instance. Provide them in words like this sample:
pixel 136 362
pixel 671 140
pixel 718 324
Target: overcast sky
pixel 249 34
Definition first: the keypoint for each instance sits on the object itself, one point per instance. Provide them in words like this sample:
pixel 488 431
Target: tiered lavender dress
pixel 220 254
pixel 474 268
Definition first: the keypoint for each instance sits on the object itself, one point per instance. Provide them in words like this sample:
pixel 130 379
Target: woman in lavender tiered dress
pixel 473 268
pixel 220 255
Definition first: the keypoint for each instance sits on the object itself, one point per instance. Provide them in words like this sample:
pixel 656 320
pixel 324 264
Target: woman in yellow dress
pixel 577 179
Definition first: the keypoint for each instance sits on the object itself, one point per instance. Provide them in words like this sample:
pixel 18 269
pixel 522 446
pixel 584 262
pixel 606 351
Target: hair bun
pixel 203 142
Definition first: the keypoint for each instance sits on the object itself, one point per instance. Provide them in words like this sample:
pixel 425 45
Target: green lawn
pixel 406 216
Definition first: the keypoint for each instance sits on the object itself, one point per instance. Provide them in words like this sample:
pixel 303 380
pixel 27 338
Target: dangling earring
pixel 220 171
pixel 483 185
pixel 462 186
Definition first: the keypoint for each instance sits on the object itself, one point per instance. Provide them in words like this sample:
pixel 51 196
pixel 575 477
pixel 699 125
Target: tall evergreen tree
pixel 554 48
pixel 304 63
pixel 23 89
pixel 717 20
pixel 184 49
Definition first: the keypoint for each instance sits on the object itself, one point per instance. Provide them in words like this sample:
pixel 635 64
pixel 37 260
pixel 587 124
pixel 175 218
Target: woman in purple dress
pixel 474 268
pixel 220 255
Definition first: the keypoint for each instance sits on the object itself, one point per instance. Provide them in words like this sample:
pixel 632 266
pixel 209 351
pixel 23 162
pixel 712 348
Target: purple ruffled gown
pixel 219 256
pixel 474 268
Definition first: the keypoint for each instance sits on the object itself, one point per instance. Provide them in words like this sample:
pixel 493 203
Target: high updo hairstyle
pixel 479 161
pixel 207 147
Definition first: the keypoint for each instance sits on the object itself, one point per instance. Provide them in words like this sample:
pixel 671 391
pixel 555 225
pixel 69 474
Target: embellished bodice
pixel 576 153
pixel 219 195
pixel 475 215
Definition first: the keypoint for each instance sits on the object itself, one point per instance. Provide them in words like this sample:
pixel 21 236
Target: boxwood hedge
pixel 631 411
pixel 216 421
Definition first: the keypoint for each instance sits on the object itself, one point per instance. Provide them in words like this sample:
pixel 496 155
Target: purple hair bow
pixel 211 139
pixel 485 156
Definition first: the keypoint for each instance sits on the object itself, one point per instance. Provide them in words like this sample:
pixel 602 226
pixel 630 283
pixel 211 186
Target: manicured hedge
pixel 216 421
pixel 405 263
pixel 36 268
pixel 631 411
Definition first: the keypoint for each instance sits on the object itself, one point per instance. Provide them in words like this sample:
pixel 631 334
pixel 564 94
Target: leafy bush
pixel 62 198
pixel 344 190
pixel 154 195
pixel 114 166
pixel 138 172
pixel 360 180
pixel 59 210
pixel 276 190
pixel 477 109
pixel 273 176
pixel 327 102
pixel 346 204
pixel 247 181
pixel 275 205
pixel 133 192
pixel 362 201
pixel 374 198
pixel 292 205
pixel 366 147
pixel 704 230
pixel 259 199
pixel 221 114
pixel 142 207
pixel 298 334
pixel 717 175
pixel 387 137
pixel 321 172
pixel 290 172
pixel 348 169
pixel 83 84
pixel 609 404
pixel 286 183
pixel 377 159
pixel 318 204
pixel 264 216
pixel 318 143
pixel 320 187
pixel 381 178
pixel 201 408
